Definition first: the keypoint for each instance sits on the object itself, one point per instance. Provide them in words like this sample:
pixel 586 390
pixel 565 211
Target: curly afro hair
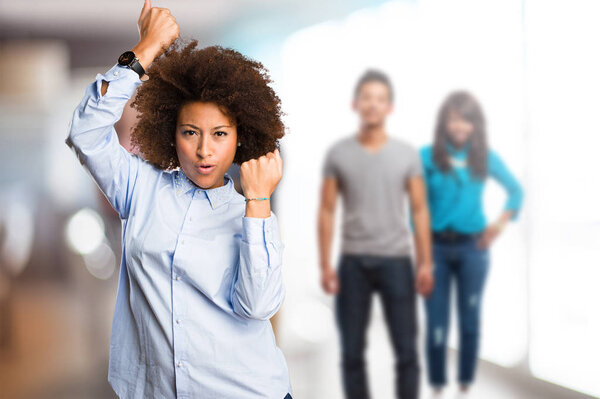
pixel 237 84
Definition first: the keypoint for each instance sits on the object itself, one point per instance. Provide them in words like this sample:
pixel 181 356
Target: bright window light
pixel 564 87
pixel 428 48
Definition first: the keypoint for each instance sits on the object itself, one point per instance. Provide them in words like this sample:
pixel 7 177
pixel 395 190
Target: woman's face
pixel 206 141
pixel 459 129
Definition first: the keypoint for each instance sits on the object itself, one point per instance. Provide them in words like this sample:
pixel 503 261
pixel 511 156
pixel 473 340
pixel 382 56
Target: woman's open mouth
pixel 205 169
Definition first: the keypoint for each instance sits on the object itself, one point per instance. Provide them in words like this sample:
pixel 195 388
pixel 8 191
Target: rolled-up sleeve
pixel 258 289
pixel 511 185
pixel 93 138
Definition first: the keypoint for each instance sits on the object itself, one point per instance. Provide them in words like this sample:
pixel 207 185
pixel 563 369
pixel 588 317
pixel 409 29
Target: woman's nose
pixel 203 149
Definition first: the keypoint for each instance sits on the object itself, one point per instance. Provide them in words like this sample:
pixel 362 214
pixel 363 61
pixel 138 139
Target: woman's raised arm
pixel 92 135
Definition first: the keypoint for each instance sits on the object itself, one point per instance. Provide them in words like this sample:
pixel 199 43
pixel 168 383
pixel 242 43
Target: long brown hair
pixel 466 105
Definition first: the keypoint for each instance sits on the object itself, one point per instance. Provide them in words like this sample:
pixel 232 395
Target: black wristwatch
pixel 129 60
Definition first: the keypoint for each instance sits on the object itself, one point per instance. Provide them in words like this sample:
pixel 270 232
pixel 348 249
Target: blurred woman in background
pixel 457 166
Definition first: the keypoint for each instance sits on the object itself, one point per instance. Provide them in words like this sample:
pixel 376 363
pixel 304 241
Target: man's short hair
pixel 374 75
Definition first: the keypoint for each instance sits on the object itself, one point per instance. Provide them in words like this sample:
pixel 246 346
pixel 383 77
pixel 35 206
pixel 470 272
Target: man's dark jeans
pixel 360 276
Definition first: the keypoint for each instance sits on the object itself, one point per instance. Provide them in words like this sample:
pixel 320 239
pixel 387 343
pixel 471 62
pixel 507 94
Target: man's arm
pixel 420 214
pixel 329 191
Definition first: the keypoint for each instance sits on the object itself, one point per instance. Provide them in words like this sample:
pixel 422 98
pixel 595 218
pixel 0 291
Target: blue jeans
pixel 466 264
pixel 360 277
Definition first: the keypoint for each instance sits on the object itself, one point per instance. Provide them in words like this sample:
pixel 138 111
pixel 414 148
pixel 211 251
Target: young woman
pixel 457 166
pixel 201 265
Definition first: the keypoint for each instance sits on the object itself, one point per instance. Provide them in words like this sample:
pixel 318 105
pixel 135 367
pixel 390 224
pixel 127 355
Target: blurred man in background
pixel 375 175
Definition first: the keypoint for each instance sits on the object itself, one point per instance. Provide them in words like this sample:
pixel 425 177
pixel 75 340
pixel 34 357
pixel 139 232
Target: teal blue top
pixel 456 199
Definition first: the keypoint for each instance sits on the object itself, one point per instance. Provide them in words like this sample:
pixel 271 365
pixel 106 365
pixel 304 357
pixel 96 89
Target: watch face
pixel 126 58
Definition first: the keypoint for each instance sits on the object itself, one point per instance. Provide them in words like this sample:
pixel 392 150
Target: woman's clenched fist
pixel 259 178
pixel 158 30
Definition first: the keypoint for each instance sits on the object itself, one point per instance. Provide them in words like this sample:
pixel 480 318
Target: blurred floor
pixel 58 352
pixel 315 374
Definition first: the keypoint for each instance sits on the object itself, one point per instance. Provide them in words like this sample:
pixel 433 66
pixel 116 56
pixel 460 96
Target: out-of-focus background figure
pixel 532 65
pixel 457 166
pixel 377 177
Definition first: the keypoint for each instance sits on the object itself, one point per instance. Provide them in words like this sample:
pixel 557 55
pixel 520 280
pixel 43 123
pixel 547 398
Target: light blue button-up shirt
pixel 198 279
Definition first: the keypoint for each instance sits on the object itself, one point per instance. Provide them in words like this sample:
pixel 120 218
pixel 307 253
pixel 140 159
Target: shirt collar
pixel 216 196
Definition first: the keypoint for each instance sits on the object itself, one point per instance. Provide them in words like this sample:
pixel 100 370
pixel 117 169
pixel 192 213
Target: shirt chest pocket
pixel 209 263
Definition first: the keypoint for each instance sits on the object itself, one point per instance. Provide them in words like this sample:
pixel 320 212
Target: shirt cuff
pixel 260 230
pixel 123 81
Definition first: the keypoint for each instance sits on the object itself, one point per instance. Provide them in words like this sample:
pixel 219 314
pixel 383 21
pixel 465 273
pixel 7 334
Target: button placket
pixel 179 311
pixel 180 343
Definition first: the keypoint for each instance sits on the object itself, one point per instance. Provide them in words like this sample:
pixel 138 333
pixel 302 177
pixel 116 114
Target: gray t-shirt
pixel 373 190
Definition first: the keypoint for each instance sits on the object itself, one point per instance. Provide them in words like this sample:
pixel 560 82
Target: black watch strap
pixel 137 67
pixel 129 59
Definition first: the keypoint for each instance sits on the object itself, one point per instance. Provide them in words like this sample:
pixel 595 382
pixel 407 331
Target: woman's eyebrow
pixel 196 127
pixel 189 124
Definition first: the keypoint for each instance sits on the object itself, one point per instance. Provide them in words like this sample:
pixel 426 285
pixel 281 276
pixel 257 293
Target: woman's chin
pixel 208 181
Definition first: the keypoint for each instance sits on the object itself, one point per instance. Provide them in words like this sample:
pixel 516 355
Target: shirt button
pixel 178 278
pixel 179 364
pixel 115 73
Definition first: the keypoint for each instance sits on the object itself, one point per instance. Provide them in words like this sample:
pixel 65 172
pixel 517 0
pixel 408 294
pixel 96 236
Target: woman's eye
pixel 221 133
pixel 189 132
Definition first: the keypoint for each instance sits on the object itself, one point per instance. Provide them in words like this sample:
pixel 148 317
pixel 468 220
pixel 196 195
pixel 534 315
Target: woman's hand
pixel 493 230
pixel 158 30
pixel 489 235
pixel 259 178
